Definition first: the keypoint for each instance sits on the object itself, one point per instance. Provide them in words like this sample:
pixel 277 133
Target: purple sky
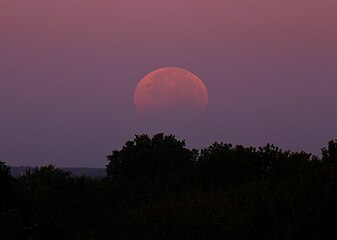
pixel 68 70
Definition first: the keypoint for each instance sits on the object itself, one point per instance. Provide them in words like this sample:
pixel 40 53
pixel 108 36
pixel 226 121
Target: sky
pixel 69 68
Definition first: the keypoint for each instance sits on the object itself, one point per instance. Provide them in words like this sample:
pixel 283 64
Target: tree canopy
pixel 157 188
pixel 161 158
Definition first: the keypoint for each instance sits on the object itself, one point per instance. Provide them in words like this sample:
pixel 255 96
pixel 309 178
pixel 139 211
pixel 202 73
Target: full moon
pixel 170 90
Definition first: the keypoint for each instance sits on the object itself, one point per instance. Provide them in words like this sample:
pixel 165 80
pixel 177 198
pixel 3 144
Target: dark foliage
pixel 5 184
pixel 160 158
pixel 158 189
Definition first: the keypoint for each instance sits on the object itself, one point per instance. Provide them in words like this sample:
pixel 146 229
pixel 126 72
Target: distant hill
pixel 89 172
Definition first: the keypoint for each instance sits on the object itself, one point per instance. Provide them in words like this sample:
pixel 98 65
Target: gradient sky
pixel 68 70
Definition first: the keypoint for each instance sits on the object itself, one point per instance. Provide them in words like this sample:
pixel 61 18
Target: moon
pixel 170 90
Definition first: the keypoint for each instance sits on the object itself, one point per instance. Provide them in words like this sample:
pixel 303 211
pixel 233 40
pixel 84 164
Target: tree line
pixel 157 188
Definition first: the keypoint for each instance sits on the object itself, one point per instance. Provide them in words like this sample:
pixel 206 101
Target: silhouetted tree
pixel 224 164
pixel 4 170
pixel 329 155
pixel 46 182
pixel 329 158
pixel 7 223
pixel 237 192
pixel 162 158
pixel 5 182
pixel 273 162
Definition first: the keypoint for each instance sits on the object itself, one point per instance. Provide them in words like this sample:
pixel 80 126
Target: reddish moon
pixel 170 90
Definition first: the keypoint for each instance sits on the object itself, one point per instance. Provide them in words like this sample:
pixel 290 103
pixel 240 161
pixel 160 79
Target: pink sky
pixel 68 69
